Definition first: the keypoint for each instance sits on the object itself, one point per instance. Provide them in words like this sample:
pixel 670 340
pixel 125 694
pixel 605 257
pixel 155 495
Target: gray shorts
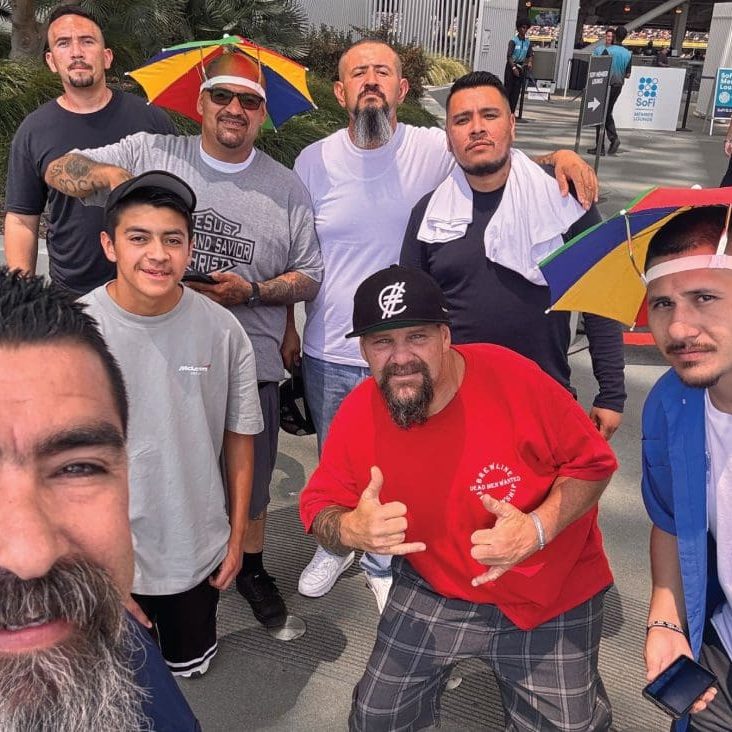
pixel 547 676
pixel 265 446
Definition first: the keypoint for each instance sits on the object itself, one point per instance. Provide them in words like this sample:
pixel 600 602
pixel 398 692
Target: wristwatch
pixel 255 298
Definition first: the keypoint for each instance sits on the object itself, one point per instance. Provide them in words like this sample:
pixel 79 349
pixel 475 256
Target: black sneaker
pixel 261 592
pixel 614 146
pixel 593 151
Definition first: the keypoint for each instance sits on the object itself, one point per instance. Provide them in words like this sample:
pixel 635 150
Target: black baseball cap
pixel 153 179
pixel 397 297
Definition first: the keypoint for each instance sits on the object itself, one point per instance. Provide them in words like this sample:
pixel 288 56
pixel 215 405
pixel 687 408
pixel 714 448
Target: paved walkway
pixel 257 683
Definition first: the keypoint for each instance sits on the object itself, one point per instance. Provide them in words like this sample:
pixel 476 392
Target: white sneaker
pixel 195 673
pixel 380 587
pixel 322 572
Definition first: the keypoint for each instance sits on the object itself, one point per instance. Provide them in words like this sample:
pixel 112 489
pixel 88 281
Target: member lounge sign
pixel 723 94
pixel 650 99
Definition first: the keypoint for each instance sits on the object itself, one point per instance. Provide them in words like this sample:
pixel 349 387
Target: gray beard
pixel 371 128
pixel 84 684
pixel 408 411
pixel 486 168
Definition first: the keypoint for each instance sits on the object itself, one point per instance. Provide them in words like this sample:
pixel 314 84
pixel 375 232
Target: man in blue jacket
pixel 71 658
pixel 687 456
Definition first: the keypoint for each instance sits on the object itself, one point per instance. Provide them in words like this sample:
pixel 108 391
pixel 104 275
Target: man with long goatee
pixel 71 658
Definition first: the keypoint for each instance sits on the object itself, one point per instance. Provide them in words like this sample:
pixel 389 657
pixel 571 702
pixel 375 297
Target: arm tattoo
pixel 327 529
pixel 288 288
pixel 75 175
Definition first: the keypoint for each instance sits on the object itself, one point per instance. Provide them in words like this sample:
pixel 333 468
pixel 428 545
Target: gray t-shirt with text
pixel 257 223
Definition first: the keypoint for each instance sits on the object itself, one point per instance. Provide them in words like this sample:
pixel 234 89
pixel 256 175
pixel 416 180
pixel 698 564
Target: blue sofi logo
pixel 647 92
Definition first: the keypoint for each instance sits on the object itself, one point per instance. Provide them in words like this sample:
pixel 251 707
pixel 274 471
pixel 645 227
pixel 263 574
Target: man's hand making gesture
pixel 512 539
pixel 375 526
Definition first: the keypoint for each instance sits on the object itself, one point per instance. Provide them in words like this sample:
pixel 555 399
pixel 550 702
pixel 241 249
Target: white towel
pixel 527 226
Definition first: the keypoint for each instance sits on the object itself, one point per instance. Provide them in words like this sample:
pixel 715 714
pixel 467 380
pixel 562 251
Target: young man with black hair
pixel 70 657
pixel 190 372
pixel 687 456
pixel 87 113
pixel 481 234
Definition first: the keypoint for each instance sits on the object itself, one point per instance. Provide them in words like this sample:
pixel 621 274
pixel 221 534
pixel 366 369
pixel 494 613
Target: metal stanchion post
pixel 690 79
pixel 520 117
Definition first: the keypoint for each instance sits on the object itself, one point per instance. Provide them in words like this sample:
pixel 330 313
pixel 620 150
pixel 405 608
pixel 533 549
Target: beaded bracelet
pixel 664 624
pixel 539 529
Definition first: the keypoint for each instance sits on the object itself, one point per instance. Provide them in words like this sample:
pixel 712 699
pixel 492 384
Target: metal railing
pixel 445 27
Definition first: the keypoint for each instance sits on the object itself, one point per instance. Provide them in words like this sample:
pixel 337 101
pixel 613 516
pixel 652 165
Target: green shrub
pixel 444 70
pixel 327 45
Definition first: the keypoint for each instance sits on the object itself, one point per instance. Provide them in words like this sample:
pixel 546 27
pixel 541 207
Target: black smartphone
pixel 677 688
pixel 193 275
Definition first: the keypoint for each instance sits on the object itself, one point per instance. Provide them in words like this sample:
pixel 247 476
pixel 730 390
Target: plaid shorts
pixel 547 676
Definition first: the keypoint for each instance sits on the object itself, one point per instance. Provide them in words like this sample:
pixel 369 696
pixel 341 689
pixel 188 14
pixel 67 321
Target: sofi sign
pixel 650 99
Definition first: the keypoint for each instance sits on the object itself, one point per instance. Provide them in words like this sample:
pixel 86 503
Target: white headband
pixel 684 264
pixel 240 80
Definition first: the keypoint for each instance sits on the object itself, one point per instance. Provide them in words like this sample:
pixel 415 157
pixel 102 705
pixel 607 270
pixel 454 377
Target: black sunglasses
pixel 223 97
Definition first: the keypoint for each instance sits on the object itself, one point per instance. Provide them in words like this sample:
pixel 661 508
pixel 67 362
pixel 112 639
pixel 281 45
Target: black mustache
pixel 679 347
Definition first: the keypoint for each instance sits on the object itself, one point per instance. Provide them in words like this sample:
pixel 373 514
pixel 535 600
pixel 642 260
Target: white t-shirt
pixel 362 200
pixel 719 510
pixel 190 375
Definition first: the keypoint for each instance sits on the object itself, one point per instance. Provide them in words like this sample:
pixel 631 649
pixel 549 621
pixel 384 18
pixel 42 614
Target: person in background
pixel 727 179
pixel 620 68
pixel 519 60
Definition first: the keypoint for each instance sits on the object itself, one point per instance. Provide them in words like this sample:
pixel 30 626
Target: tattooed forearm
pixel 326 529
pixel 288 288
pixel 79 176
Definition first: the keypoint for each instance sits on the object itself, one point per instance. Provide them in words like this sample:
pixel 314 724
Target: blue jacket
pixel 675 464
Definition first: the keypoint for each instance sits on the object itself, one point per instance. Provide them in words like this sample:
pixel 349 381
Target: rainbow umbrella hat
pixel 600 270
pixel 172 78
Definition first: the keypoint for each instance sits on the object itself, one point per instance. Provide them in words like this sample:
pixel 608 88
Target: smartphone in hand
pixel 677 688
pixel 193 275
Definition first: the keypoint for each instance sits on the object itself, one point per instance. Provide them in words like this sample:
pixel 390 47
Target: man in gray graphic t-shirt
pixel 253 230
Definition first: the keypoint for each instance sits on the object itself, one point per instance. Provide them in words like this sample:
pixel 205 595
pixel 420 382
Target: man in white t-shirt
pixel 363 181
pixel 687 456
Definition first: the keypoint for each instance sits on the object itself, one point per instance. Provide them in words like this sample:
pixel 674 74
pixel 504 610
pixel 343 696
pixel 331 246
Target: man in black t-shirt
pixel 87 114
pixel 481 234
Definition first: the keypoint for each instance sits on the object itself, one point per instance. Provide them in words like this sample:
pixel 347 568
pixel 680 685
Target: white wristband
pixel 541 536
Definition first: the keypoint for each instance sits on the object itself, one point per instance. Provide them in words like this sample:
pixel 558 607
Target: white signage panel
pixel 650 99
